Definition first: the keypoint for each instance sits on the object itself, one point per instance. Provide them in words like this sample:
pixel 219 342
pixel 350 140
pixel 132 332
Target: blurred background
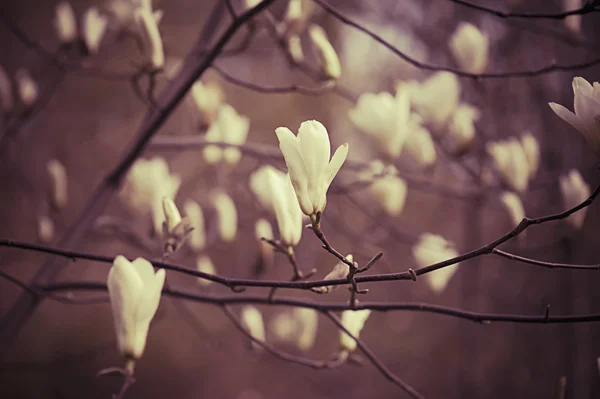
pixel 87 120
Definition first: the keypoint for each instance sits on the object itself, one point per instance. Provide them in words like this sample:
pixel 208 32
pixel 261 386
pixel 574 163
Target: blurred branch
pixel 550 265
pixel 589 7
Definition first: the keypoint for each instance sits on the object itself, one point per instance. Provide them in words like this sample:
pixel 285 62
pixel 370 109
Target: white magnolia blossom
pixel 45 229
pixel 153 46
pixel 65 22
pixel 420 146
pixel 60 183
pixel 328 58
pixel 172 215
pixel 388 119
pixel 510 160
pixel 307 159
pixel 122 12
pixel 354 321
pixel 574 190
pixel 94 27
pixel 205 265
pixel 148 181
pixel 386 188
pixel 461 128
pixel 208 98
pixel 294 48
pixel 27 88
pixel 469 46
pixel 573 22
pixel 197 237
pixel 231 128
pixel 175 228
pixel 134 291
pixel 226 215
pixel 299 327
pixel 7 101
pixel 252 321
pixel 515 208
pixel 431 249
pixel 276 193
pixel 586 118
pixel 532 153
pixel 297 14
pixel 263 229
pixel 436 98
pixel 340 270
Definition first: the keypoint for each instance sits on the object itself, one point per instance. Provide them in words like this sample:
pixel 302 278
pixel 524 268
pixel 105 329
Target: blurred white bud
pixel 532 153
pixel 134 290
pixel 94 27
pixel 586 118
pixel 297 15
pixel 45 229
pixel 354 321
pixel 294 48
pixel 307 159
pixel 515 208
pixel 197 237
pixel 284 327
pixel 248 4
pixel 434 99
pixel 227 216
pixel 147 182
pixel 172 215
pixel 511 163
pixel 27 88
pixel 152 41
pixel 7 101
pixel 263 229
pixel 231 128
pixel 65 22
pixel 175 228
pixel 122 13
pixel 340 270
pixel 469 46
pixel 574 190
pixel 298 327
pixel 60 183
pixel 252 321
pixel 390 193
pixel 420 146
pixel 461 128
pixel 205 265
pixel 208 99
pixel 431 249
pixel 573 22
pixel 328 58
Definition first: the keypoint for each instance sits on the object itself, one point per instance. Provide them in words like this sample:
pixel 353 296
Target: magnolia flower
pixel 195 216
pixel 27 88
pixel 65 22
pixel 94 26
pixel 134 291
pixel 515 208
pixel 340 270
pixel 58 177
pixel 152 42
pixel 45 229
pixel 510 160
pixel 205 265
pixel 175 228
pixel 122 12
pixel 328 58
pixel 294 48
pixel 231 128
pixel 574 190
pixel 461 128
pixel 353 321
pixel 573 22
pixel 307 159
pixel 227 216
pixel 469 46
pixel 586 118
pixel 419 145
pixel 532 153
pixel 6 94
pixel 148 181
pixel 252 321
pixel 387 188
pixel 298 326
pixel 208 99
pixel 263 229
pixel 431 249
pixel 436 98
pixel 386 118
pixel 297 15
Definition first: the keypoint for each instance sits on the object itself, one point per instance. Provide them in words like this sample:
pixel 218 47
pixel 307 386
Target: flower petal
pixel 314 148
pixel 336 163
pixel 291 152
pixel 568 116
